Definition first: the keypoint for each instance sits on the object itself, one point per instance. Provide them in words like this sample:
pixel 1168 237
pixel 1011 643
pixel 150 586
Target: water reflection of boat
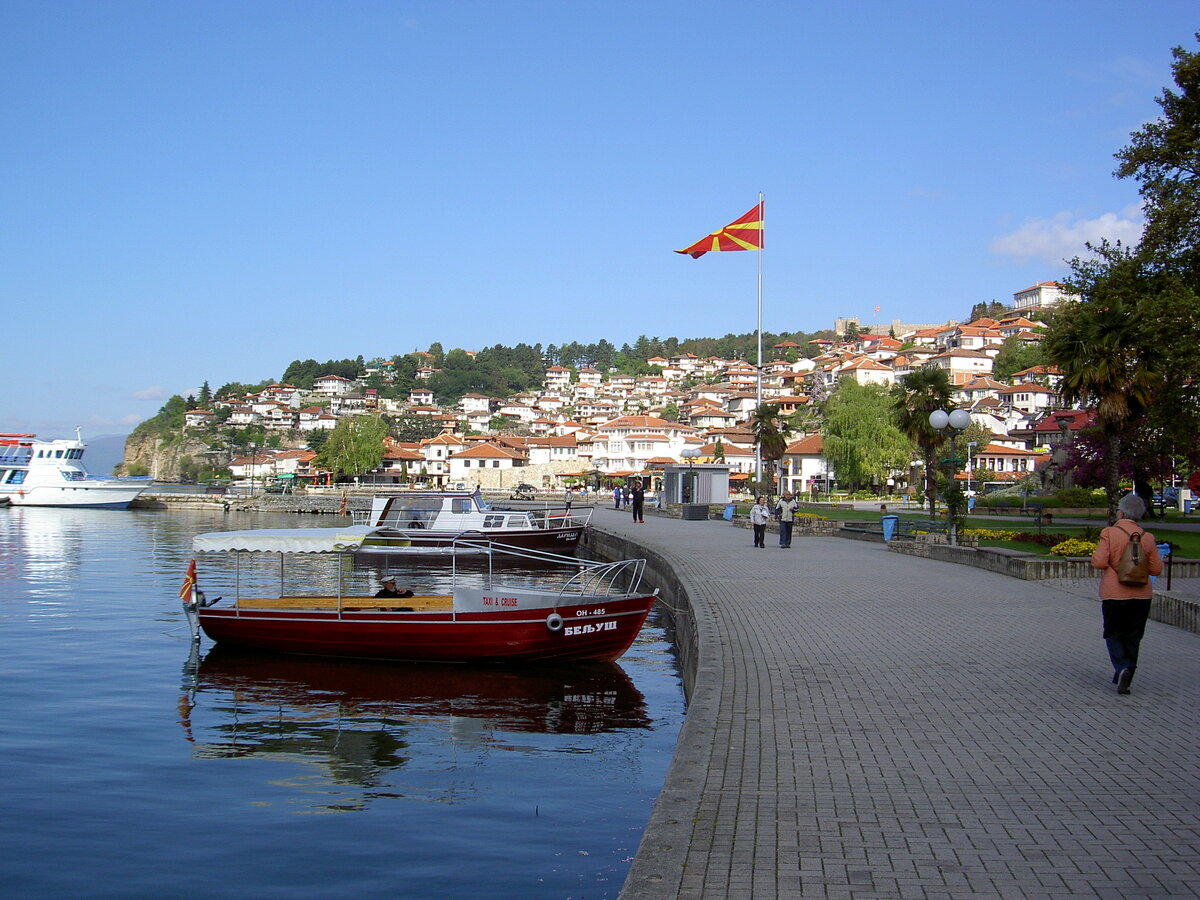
pixel 580 698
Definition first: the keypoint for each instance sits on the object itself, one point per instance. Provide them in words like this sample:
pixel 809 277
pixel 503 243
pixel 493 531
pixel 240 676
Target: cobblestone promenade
pixel 869 724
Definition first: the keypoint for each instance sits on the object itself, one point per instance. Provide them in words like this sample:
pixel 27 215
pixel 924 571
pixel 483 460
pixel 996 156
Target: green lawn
pixel 1187 543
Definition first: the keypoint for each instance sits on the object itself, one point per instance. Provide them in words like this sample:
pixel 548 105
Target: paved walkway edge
pixel 658 866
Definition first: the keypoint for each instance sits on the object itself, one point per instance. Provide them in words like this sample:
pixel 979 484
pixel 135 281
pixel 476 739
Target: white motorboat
pixel 51 473
pixel 422 522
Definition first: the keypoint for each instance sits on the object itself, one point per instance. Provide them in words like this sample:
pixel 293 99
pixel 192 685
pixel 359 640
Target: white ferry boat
pixel 51 473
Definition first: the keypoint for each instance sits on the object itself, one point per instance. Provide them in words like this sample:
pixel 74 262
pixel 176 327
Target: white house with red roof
pixel 282 393
pixel 963 365
pixel 865 370
pixel 198 418
pixel 1029 397
pixel 557 379
pixel 420 396
pixel 315 418
pixel 804 465
pixel 627 443
pixel 333 385
pixel 1008 463
pixel 483 463
pixel 1043 295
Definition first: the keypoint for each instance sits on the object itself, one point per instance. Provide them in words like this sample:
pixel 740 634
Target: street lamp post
pixel 953 423
pixel 970 444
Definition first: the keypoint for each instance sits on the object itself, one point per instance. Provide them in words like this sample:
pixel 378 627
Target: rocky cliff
pixel 161 459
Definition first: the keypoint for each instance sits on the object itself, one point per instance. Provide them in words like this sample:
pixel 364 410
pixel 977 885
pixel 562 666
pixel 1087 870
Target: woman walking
pixel 759 516
pixel 1125 606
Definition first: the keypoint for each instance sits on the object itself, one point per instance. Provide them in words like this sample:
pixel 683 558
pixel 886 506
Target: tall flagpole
pixel 759 398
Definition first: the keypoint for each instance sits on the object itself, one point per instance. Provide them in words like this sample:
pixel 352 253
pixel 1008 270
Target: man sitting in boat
pixel 389 589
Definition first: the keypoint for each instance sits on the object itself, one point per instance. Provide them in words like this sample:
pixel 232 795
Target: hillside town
pixel 587 427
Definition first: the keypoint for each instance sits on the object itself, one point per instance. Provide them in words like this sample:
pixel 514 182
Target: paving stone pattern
pixel 868 724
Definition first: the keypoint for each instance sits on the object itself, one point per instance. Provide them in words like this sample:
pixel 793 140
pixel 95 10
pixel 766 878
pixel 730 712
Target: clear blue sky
pixel 209 190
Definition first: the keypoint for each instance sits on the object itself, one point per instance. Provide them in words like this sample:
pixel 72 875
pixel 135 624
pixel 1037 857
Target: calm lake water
pixel 132 766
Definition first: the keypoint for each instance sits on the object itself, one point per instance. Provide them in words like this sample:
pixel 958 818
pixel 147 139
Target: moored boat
pixel 302 591
pixel 51 473
pixel 430 521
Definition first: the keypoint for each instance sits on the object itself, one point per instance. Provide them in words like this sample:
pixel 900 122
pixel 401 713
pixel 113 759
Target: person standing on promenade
pixel 617 497
pixel 638 497
pixel 759 515
pixel 1124 607
pixel 785 510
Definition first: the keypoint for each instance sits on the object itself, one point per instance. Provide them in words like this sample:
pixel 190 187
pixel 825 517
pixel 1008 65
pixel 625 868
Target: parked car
pixel 523 492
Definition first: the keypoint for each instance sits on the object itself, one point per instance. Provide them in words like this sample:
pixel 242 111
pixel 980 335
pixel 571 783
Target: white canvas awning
pixel 282 540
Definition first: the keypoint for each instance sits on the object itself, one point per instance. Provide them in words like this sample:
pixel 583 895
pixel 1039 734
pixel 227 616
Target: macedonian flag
pixel 745 233
pixel 189 584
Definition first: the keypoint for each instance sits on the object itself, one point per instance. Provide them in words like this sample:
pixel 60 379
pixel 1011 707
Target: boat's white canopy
pixel 282 540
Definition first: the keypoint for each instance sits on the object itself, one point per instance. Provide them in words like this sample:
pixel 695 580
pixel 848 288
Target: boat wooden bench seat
pixel 418 603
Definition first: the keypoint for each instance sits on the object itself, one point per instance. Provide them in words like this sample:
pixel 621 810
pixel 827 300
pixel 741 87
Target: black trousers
pixel 1124 625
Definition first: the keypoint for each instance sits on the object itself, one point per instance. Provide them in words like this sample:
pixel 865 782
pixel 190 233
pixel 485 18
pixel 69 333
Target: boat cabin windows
pixel 411 512
pixel 493 521
pixel 15 476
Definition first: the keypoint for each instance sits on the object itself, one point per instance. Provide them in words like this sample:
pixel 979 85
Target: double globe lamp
pixel 956 422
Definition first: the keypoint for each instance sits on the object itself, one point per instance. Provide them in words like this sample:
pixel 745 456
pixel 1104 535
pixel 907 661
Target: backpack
pixel 1133 567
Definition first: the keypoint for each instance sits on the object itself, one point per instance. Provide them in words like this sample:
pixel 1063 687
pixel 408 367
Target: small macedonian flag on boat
pixel 189 584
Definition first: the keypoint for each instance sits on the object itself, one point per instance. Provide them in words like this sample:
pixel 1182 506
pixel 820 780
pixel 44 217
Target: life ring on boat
pixel 554 622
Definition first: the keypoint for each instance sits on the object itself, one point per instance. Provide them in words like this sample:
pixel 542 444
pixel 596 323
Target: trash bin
pixel 729 511
pixel 889 526
pixel 695 511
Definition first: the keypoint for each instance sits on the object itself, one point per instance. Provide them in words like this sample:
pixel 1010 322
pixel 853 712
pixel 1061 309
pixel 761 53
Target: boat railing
pixel 562 517
pixel 593 578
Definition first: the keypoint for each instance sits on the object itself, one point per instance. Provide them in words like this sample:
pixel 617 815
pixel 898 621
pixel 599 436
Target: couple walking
pixel 785 509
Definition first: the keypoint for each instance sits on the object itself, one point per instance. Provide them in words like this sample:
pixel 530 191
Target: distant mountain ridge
pixel 104 453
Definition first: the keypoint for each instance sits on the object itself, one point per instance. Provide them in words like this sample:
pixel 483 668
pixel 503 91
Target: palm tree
pixel 771 431
pixel 914 397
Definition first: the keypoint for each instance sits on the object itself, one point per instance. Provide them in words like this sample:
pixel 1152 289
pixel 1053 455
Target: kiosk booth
pixel 695 486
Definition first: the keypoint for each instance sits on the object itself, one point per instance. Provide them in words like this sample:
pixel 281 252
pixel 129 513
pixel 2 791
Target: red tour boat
pixel 299 591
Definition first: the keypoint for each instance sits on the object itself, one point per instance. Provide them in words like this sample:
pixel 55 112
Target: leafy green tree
pixel 205 399
pixel 414 428
pixel 1164 156
pixel 860 435
pixel 1015 355
pixel 914 397
pixel 993 309
pixel 670 412
pixel 354 446
pixel 1101 346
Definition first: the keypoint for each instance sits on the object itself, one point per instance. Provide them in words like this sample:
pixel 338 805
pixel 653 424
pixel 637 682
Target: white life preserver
pixel 554 622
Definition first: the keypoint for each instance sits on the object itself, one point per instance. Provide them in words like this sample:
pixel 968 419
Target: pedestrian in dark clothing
pixel 785 509
pixel 638 495
pixel 1125 608
pixel 616 498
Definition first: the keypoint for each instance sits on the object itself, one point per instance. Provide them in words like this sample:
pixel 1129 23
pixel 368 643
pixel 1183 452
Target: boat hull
pixel 81 494
pixel 600 630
